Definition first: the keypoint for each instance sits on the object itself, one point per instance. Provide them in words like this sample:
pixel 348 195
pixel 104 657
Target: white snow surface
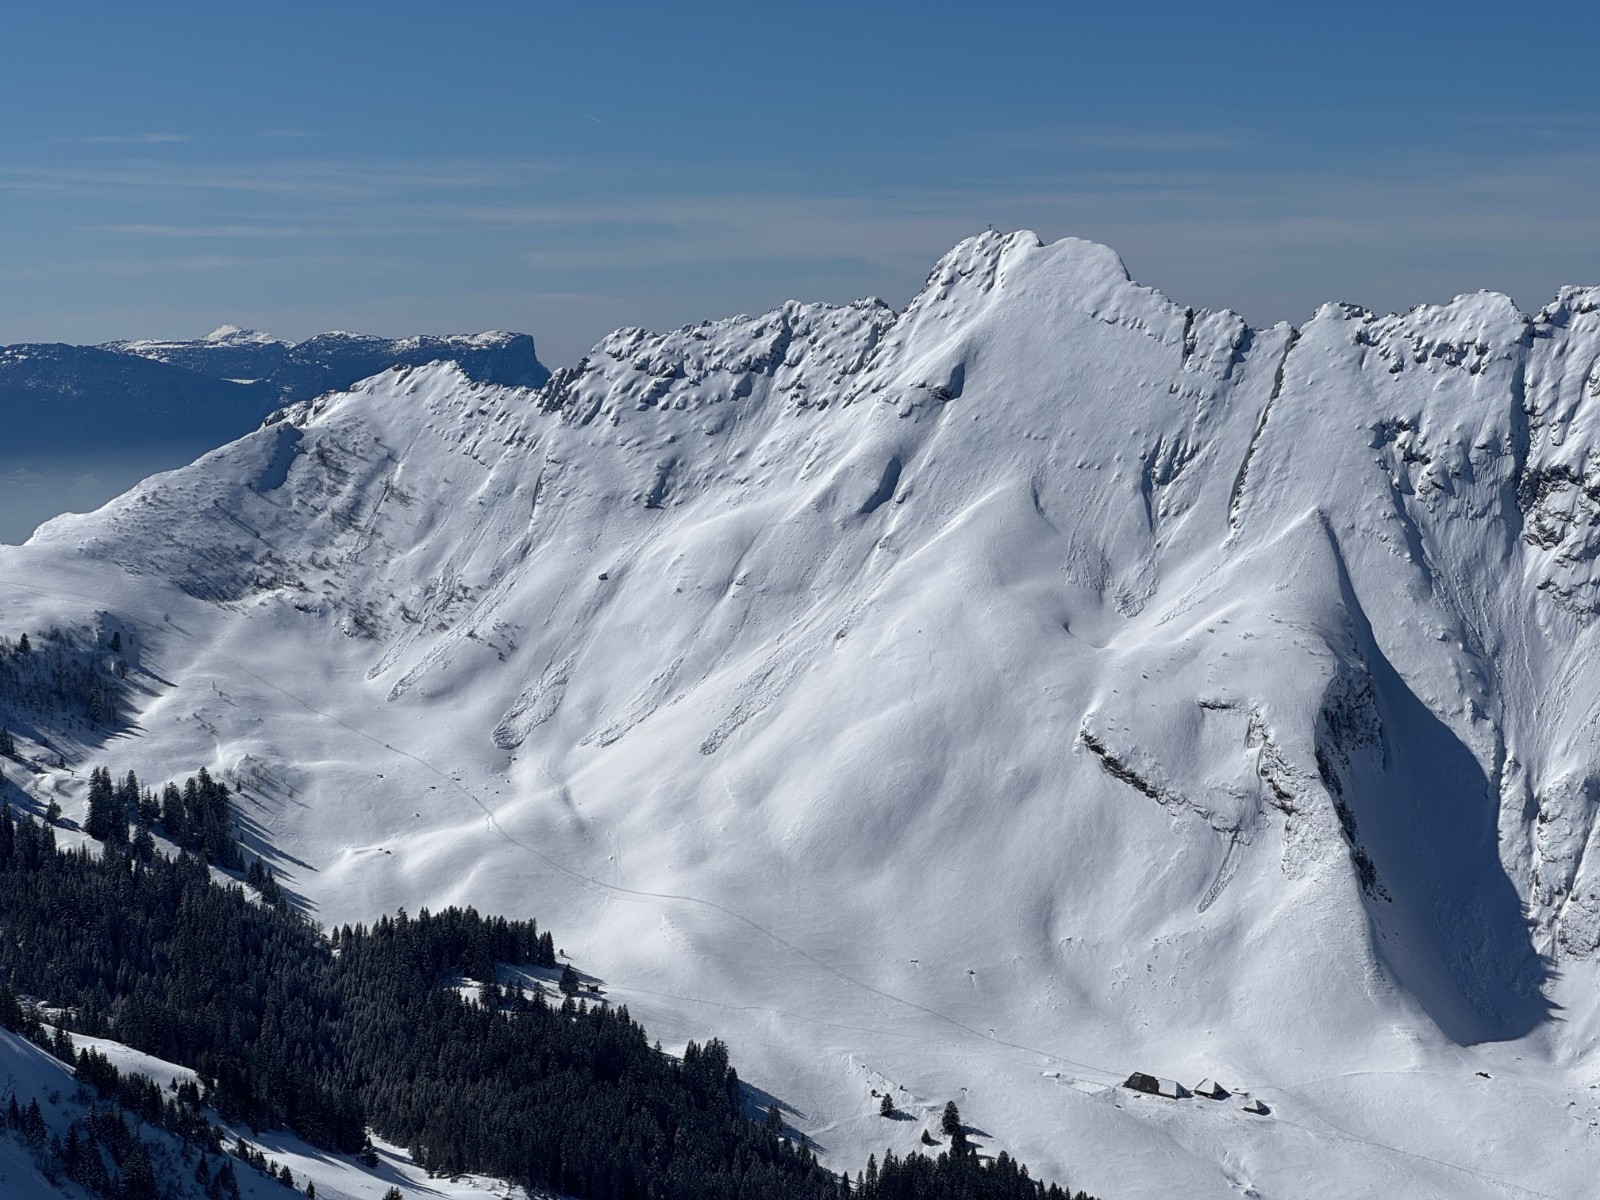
pixel 983 701
pixel 234 335
pixel 222 335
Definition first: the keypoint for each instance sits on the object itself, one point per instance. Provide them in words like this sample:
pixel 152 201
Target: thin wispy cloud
pixel 1211 222
pixel 210 262
pixel 1128 138
pixel 286 133
pixel 139 139
pixel 217 231
pixel 368 181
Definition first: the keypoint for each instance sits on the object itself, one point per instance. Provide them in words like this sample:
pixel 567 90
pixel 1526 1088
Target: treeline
pixel 68 676
pixel 105 1136
pixel 333 1035
pixel 953 1176
pixel 103 1150
pixel 112 1098
pixel 197 817
pixel 150 952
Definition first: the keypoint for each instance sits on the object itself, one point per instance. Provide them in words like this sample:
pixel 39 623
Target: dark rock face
pixel 334 361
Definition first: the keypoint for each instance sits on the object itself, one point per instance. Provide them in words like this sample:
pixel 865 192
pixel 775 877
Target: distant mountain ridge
pixel 291 371
pixel 221 386
pixel 95 419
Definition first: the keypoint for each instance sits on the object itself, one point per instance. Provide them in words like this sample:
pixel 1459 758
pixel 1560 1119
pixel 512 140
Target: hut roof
pixel 1139 1081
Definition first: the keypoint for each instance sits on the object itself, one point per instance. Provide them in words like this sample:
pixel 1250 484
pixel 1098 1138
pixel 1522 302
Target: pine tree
pixel 149 806
pixel 886 1108
pixel 108 814
pixel 950 1125
pixel 98 822
pixel 33 1127
pixel 172 812
pixel 101 707
pixel 139 1174
pixel 128 797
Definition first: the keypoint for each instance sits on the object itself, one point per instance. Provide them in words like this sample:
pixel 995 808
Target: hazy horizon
pixel 566 172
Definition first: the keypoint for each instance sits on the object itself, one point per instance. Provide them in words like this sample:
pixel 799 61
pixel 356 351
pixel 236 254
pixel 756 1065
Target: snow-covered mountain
pixel 289 371
pixel 225 382
pixel 980 701
pixel 83 423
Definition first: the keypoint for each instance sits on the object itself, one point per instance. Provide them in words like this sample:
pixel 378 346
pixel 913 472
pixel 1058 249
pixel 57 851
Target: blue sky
pixel 403 167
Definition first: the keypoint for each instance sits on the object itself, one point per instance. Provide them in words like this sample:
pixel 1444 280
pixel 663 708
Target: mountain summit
pixel 988 700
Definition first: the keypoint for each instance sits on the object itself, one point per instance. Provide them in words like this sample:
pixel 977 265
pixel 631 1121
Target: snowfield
pixel 982 701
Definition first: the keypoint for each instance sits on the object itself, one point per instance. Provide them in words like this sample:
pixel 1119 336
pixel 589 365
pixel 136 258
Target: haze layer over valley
pixel 87 422
pixel 980 701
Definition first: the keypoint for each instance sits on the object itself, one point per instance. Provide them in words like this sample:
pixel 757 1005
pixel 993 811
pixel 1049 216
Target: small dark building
pixel 1150 1085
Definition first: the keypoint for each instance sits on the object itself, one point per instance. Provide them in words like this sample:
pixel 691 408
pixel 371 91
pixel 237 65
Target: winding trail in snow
pixel 1339 1133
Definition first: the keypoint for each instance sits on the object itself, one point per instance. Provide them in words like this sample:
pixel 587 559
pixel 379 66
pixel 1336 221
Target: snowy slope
pixel 985 700
pixel 29 1074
